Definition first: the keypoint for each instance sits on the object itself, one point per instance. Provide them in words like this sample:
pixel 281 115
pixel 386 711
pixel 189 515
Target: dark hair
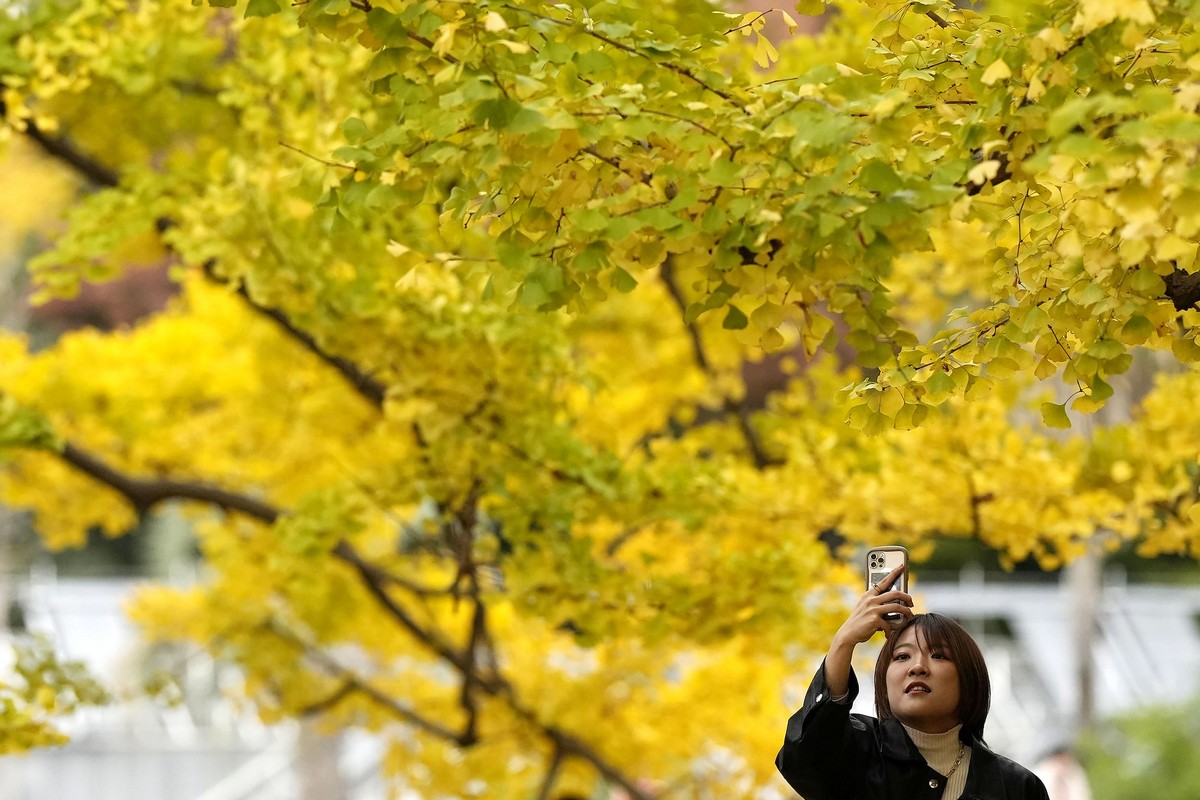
pixel 943 633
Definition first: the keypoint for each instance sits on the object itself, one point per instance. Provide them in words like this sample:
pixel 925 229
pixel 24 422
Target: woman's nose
pixel 917 667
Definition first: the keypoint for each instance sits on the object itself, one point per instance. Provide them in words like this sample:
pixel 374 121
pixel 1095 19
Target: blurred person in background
pixel 1063 775
pixel 932 696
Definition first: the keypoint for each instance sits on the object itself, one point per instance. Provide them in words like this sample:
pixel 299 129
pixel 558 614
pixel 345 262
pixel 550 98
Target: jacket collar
pixel 896 744
pixel 985 766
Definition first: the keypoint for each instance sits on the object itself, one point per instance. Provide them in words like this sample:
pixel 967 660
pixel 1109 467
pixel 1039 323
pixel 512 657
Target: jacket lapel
pixel 896 744
pixel 984 775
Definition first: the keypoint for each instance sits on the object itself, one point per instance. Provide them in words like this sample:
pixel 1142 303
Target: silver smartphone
pixel 880 562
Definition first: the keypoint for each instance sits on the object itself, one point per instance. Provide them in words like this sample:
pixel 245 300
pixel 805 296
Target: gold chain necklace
pixel 962 748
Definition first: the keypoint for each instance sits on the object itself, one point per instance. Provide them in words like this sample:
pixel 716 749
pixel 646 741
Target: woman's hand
pixel 865 619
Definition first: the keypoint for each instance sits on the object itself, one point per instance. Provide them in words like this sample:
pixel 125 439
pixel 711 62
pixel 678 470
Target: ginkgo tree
pixel 537 369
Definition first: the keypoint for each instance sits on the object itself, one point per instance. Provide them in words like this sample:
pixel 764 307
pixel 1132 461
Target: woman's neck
pixel 939 749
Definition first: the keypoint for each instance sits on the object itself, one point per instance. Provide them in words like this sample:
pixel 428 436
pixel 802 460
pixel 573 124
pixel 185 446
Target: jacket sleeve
pixel 820 748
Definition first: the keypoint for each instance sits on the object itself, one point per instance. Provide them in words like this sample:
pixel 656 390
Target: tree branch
pixel 354 683
pixel 570 745
pixel 761 459
pixel 463 526
pixel 145 493
pixel 66 152
pixel 552 772
pixel 368 387
pixel 378 589
pixel 347 688
pixel 91 169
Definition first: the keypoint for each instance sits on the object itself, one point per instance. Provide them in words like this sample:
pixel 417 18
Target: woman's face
pixel 922 684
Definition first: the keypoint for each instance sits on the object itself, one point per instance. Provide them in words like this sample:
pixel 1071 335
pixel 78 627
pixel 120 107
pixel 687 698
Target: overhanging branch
pixel 63 150
pixel 145 493
pixel 97 173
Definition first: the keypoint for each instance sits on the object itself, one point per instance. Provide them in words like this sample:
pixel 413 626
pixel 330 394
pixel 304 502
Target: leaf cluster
pixel 42 691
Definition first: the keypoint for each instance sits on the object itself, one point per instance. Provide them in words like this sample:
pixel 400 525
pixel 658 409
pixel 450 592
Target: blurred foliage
pixel 42 692
pixel 1151 753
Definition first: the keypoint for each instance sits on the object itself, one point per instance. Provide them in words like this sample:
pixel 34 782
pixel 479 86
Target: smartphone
pixel 880 562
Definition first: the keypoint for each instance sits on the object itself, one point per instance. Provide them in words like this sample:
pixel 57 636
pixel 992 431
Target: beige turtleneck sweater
pixel 940 750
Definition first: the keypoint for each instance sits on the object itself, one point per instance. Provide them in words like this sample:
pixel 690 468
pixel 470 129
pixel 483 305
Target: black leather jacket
pixel 830 754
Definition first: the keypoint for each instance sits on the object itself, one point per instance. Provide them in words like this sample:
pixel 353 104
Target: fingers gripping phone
pixel 880 563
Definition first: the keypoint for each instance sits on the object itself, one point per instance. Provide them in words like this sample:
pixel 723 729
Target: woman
pixel 932 695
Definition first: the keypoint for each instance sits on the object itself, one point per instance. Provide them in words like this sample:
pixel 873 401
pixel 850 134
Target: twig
pixel 318 159
pixel 682 71
pixel 615 164
pixel 354 683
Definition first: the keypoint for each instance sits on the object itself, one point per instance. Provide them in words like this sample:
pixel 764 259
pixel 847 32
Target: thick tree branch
pixel 145 493
pixel 463 540
pixel 466 697
pixel 66 152
pixel 347 688
pixel 94 171
pixel 387 577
